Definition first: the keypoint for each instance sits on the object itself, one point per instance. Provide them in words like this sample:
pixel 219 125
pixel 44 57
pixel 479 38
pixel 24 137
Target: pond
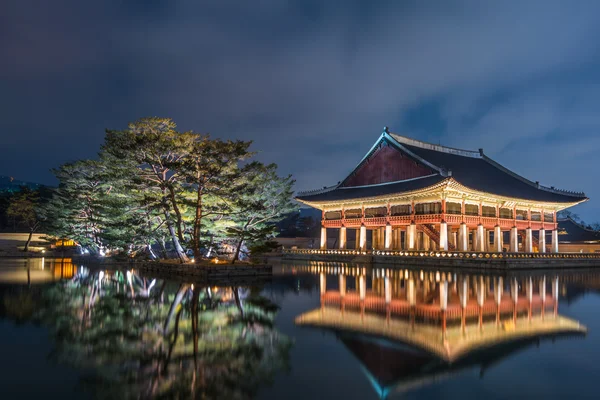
pixel 314 330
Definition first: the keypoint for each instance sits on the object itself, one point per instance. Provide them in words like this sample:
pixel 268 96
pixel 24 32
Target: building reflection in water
pixel 408 327
pixel 28 271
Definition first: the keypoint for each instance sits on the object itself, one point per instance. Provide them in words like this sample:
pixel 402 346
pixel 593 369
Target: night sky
pixel 311 82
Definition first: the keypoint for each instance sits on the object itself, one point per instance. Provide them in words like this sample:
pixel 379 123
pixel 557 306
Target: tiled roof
pixel 472 169
pixel 337 193
pixel 571 231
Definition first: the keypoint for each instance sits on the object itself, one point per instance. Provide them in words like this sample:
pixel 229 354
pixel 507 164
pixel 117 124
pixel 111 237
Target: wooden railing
pixel 452 219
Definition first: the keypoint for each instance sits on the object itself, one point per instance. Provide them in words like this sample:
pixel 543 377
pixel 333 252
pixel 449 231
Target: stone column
pixel 443 246
pixel 357 239
pixel 480 238
pixel 528 241
pixel 323 238
pixel 463 237
pixel 542 293
pixel 387 288
pixel 343 237
pixel 411 292
pixel 514 240
pixel 363 238
pixel 529 289
pixel 381 242
pixel 498 297
pixel 411 237
pixel 555 294
pixel 388 237
pixel 424 241
pixel 481 299
pixel 463 294
pixel 497 239
pixel 374 238
pixel 322 283
pixel 443 304
pixel 514 292
pixel 362 287
pixel 554 241
pixel 342 285
pixel 542 248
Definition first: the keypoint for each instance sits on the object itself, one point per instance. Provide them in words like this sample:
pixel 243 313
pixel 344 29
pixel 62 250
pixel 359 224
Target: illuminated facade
pixel 410 195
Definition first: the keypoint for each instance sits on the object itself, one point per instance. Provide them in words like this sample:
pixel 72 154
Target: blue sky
pixel 311 82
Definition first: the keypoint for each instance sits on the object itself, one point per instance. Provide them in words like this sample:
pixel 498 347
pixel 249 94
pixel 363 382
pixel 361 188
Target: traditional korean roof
pixel 382 189
pixel 433 164
pixel 570 231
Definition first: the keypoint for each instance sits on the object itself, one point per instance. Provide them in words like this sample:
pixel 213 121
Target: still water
pixel 318 331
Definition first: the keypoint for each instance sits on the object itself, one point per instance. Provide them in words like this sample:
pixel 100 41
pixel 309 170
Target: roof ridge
pixel 317 191
pixel 581 225
pixel 390 183
pixel 437 147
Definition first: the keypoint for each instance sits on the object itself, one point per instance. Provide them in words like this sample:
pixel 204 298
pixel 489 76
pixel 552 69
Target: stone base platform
pixel 487 260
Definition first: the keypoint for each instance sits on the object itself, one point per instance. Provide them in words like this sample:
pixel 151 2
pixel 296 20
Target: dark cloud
pixel 311 82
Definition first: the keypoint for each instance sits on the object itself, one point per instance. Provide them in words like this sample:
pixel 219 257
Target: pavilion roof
pixel 472 169
pixel 573 232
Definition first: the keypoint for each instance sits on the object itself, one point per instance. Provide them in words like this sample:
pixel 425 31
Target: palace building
pixel 406 194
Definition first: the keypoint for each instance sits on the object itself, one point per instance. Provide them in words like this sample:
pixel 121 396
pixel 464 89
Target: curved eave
pixel 449 183
pixel 367 199
pixel 551 205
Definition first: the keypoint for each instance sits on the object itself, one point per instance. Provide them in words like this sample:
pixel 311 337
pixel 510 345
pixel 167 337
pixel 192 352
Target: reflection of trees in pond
pixel 182 342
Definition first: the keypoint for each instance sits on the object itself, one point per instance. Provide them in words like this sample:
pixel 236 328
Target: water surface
pixel 70 332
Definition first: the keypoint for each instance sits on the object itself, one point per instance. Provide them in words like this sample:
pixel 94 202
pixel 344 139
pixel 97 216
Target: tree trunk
pixel 163 248
pixel 198 225
pixel 195 334
pixel 152 255
pixel 238 301
pixel 237 251
pixel 177 214
pixel 183 258
pixel 28 240
pixel 176 301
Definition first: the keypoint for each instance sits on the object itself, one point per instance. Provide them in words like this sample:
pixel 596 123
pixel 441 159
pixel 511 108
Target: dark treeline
pixel 156 192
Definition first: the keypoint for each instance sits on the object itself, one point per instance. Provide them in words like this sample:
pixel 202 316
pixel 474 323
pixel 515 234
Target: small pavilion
pixel 406 194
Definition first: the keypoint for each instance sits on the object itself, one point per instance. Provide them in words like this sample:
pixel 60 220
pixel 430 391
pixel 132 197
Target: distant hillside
pixel 9 184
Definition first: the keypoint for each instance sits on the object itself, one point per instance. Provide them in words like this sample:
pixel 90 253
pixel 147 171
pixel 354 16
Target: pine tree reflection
pixel 185 341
